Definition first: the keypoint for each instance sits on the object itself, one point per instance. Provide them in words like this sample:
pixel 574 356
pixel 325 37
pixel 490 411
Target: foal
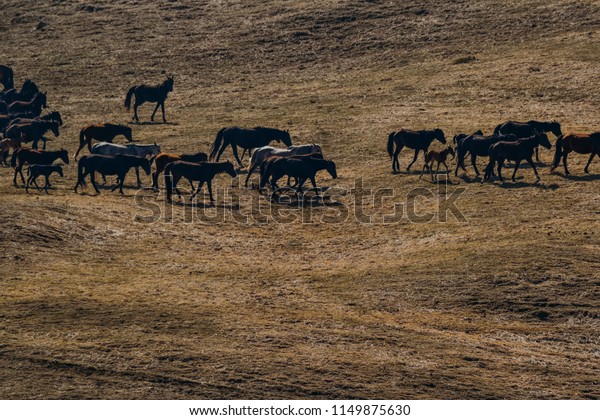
pixel 440 158
pixel 46 170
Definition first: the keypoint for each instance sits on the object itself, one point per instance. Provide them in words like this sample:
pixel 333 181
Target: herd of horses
pixel 21 122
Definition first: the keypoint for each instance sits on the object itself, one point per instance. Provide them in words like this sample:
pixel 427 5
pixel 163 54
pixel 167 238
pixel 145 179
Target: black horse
pixel 246 138
pixel 6 77
pixel 417 140
pixel 27 92
pixel 149 93
pixel 301 168
pixel 202 172
pixel 515 151
pixel 22 156
pixel 528 129
pixel 109 165
pixel 476 145
pixel 34 106
pixel 32 131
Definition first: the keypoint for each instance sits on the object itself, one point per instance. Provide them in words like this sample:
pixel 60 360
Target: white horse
pixel 140 150
pixel 262 153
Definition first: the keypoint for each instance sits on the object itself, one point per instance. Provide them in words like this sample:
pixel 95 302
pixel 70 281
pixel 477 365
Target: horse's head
pixel 542 140
pixel 285 138
pixel 554 127
pixel 29 87
pixel 230 169
pixel 155 149
pixel 439 134
pixel 127 133
pixel 64 155
pixel 169 83
pixel 55 116
pixel 145 164
pixel 330 166
pixel 41 99
pixel 54 127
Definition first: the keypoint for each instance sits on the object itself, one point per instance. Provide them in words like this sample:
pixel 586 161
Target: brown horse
pixel 299 168
pixel 440 158
pixel 39 157
pixel 147 93
pixel 583 144
pixel 34 106
pixel 6 77
pixel 5 146
pixel 163 159
pixel 102 132
pixel 202 172
pixel 417 140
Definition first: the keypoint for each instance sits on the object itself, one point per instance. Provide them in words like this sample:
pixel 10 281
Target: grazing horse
pixel 300 168
pixel 202 172
pixel 46 170
pixel 528 129
pixel 39 157
pixel 6 77
pixel 34 106
pixel 580 143
pixel 101 132
pixel 476 145
pixel 246 138
pixel 440 158
pixel 5 146
pixel 33 131
pixel 27 92
pixel 515 151
pixel 109 165
pixel 417 140
pixel 148 93
pixel 263 153
pixel 141 150
pixel 163 159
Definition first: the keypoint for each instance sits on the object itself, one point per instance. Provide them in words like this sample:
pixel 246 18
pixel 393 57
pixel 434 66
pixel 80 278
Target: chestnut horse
pixel 417 140
pixel 101 132
pixel 148 93
pixel 5 146
pixel 163 159
pixel 6 77
pixel 440 158
pixel 579 143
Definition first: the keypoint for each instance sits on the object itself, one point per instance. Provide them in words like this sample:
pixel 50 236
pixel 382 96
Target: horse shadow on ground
pixel 152 123
pixel 312 197
pixel 586 177
pixel 506 184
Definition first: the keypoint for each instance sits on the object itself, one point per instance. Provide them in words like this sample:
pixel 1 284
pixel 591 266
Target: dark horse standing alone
pixel 246 138
pixel 417 140
pixel 148 93
pixel 6 77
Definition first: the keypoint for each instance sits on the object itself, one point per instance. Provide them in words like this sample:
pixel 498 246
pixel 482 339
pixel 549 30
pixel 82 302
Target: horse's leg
pixel 587 167
pixel 47 184
pixel 537 154
pixel 500 163
pixel 93 180
pixel 28 182
pixel 252 168
pixel 209 184
pixel 565 163
pixel 396 161
pixel 414 160
pixel 48 181
pixel 235 154
pixel 137 174
pixel 530 161
pixel 155 109
pixel 21 171
pixel 195 193
pixel 222 149
pixel 474 163
pixel 437 170
pixel 135 113
pixel 162 107
pixel 423 170
pixel 517 163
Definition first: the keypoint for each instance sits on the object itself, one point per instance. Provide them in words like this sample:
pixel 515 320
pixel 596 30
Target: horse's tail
pixel 10 80
pixel 217 144
pixel 390 144
pixel 128 97
pixel 557 153
pixel 80 168
pixel 81 137
pixel 168 181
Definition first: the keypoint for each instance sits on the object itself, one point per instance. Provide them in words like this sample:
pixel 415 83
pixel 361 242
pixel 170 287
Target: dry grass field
pixel 97 301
